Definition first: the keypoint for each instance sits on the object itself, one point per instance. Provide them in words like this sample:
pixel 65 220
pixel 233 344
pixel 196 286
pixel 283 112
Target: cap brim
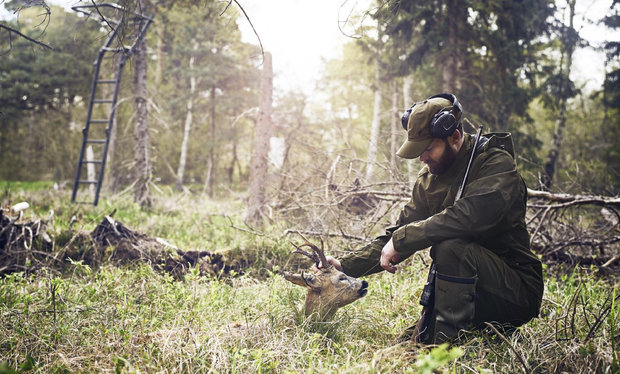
pixel 413 149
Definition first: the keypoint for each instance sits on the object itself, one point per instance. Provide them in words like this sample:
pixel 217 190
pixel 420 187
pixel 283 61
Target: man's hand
pixel 330 260
pixel 389 256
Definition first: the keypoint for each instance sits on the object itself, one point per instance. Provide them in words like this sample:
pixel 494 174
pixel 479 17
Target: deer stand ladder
pixel 127 29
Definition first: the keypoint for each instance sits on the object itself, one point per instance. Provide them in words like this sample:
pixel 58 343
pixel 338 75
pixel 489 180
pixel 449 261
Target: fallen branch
pixel 565 200
pixel 319 234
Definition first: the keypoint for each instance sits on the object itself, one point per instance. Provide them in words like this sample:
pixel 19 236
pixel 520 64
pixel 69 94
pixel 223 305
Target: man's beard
pixel 445 161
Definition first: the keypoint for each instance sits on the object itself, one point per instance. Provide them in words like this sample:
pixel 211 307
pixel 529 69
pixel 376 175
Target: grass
pixel 134 319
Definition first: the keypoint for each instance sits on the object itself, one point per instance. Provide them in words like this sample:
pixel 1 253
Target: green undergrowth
pixel 140 320
pixel 134 319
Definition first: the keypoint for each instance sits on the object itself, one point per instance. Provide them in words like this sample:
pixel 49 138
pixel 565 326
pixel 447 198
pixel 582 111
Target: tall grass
pixel 135 319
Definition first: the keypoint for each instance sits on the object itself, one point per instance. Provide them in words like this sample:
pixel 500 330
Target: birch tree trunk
pixel 160 34
pixel 407 83
pixel 188 120
pixel 554 152
pixel 395 132
pixel 211 170
pixel 373 144
pixel 142 162
pixel 260 149
pixel 407 102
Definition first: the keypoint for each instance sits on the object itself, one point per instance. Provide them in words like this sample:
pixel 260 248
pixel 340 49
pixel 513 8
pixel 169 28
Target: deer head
pixel 329 289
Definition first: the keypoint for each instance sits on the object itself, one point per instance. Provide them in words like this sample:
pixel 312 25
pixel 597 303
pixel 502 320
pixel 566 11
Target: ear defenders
pixel 445 121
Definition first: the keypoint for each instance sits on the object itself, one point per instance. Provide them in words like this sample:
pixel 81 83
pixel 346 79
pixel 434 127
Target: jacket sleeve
pixel 365 260
pixel 487 198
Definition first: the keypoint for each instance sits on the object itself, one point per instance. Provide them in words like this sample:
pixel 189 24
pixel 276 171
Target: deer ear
pixel 304 280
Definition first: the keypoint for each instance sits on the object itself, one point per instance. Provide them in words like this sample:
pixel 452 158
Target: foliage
pixel 493 43
pixel 507 53
pixel 611 99
pixel 227 76
pixel 40 90
pixel 436 358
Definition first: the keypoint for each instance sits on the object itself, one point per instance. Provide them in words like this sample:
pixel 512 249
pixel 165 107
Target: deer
pixel 329 289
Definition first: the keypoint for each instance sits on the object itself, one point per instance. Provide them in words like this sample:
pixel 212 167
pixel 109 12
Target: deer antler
pixel 317 255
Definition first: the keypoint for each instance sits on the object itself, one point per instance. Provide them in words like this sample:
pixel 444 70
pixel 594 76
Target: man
pixel 485 271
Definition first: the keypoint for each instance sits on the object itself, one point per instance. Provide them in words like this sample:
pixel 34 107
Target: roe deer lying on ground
pixel 329 289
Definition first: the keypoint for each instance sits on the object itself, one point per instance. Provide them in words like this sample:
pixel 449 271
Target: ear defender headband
pixel 445 121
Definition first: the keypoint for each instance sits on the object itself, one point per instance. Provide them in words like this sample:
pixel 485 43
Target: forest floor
pixel 186 286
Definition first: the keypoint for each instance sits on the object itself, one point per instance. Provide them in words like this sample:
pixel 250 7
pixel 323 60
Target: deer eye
pixel 342 279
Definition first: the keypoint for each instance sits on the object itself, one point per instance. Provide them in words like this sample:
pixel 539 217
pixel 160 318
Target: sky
pixel 301 34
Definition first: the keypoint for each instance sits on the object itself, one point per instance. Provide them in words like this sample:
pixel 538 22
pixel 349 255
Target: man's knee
pixel 454 257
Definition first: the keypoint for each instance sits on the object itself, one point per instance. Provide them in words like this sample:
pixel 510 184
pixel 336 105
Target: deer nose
pixel 363 290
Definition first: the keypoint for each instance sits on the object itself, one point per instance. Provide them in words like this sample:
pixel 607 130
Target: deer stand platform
pixel 126 29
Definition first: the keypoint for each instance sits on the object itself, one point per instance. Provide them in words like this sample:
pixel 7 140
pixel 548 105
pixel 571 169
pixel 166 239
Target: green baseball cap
pixel 418 129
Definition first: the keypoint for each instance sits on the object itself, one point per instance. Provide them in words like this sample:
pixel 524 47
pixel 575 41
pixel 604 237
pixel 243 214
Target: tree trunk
pixel 451 56
pixel 142 162
pixel 233 163
pixel 260 150
pixel 30 141
pixel 212 163
pixel 373 143
pixel 188 120
pixel 407 100
pixel 160 34
pixel 396 126
pixel 554 152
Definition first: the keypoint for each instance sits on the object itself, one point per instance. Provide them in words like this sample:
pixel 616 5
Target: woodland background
pixel 234 166
pixel 509 63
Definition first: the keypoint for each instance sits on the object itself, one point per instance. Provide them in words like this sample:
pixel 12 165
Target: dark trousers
pixel 500 293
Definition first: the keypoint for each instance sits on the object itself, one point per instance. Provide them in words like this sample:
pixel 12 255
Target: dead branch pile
pixel 575 229
pixel 26 246
pixel 565 229
pixel 127 246
pixel 22 242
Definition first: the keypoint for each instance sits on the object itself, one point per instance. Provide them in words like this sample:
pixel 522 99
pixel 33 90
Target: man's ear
pixel 454 139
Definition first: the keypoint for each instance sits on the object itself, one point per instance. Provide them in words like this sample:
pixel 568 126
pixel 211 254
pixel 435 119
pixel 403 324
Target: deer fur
pixel 329 289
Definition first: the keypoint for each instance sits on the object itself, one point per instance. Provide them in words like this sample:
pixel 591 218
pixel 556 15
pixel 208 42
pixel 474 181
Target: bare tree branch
pixel 566 200
pixel 12 30
pixel 262 50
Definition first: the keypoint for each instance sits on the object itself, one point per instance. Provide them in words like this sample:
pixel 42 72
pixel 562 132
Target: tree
pixel 565 90
pixel 142 152
pixel 477 50
pixel 611 101
pixel 345 81
pixel 41 95
pixel 9 32
pixel 225 84
pixel 260 149
pixel 373 142
pixel 188 120
pixel 395 126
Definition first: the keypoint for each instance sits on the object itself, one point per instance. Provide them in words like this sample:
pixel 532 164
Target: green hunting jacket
pixel 491 212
